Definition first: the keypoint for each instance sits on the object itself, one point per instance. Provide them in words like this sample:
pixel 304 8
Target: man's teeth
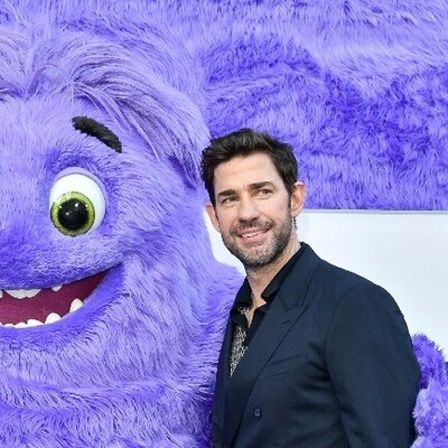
pixel 51 318
pixel 250 235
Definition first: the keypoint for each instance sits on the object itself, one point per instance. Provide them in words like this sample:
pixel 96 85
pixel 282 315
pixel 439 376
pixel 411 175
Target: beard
pixel 259 256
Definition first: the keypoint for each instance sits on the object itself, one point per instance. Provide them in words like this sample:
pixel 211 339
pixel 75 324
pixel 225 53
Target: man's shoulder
pixel 338 278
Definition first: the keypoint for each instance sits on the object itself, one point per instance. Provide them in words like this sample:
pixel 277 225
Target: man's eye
pixel 229 200
pixel 264 192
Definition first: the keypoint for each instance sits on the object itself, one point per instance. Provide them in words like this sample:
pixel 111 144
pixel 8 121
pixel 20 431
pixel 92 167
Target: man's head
pixel 244 143
pixel 255 197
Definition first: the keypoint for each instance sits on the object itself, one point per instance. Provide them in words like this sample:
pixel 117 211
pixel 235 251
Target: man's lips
pixel 25 308
pixel 251 233
pixel 253 230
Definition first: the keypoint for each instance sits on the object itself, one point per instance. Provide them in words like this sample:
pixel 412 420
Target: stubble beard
pixel 259 256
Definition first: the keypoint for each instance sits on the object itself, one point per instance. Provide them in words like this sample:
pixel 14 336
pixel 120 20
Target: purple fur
pixel 432 363
pixel 357 88
pixel 134 367
pixel 431 410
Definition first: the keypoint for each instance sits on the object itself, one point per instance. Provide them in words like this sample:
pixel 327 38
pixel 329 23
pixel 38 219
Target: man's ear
pixel 211 212
pixel 298 195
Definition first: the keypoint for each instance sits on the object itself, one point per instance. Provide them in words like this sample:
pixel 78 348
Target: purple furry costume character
pixel 100 193
pixel 104 110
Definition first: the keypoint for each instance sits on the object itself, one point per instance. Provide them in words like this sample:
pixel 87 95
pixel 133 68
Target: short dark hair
pixel 243 143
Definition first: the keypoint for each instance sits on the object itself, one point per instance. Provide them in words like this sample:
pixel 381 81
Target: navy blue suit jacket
pixel 330 366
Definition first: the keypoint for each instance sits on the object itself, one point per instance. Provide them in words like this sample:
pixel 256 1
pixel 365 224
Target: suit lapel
pixel 283 313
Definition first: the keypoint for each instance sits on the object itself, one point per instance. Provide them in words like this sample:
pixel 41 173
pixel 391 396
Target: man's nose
pixel 248 209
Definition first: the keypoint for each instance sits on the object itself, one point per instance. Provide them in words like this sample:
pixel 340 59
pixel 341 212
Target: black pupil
pixel 73 214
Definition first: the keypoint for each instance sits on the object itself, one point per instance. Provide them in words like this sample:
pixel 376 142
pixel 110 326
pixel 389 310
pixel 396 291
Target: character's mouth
pixel 29 308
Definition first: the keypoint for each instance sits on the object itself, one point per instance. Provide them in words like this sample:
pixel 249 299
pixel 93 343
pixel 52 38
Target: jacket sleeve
pixel 373 369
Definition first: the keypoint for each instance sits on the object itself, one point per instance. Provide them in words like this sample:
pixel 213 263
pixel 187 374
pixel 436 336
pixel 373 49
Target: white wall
pixel 405 252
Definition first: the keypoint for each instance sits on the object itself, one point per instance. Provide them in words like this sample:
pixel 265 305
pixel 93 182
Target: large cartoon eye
pixel 77 204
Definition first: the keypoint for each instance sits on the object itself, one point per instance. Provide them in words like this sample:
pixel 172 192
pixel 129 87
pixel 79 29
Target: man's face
pixel 254 212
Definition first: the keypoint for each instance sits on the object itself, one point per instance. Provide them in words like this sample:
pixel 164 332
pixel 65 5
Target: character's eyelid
pixel 91 127
pixel 83 172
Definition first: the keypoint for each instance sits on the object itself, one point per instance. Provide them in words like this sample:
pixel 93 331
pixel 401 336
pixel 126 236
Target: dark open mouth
pixel 32 307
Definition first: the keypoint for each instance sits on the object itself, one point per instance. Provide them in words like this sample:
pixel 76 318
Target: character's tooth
pixel 8 325
pixel 34 322
pixel 32 292
pixel 76 305
pixel 23 293
pixel 17 293
pixel 21 325
pixel 52 317
pixel 1 293
pixel 56 288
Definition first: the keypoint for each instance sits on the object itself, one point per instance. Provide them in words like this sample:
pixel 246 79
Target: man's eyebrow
pixel 263 184
pixel 252 187
pixel 96 129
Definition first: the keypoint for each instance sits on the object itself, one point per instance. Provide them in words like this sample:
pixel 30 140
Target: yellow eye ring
pixel 73 213
pixel 77 203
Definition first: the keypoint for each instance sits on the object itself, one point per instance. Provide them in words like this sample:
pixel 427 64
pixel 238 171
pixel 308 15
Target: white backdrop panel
pixel 405 252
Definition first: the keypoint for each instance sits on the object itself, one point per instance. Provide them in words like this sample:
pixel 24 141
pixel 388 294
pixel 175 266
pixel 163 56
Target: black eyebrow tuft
pixel 92 127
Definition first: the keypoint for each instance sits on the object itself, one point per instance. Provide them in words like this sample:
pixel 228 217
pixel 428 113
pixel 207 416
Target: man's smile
pixel 252 236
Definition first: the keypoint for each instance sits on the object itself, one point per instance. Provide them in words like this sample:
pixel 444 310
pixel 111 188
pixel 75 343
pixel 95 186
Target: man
pixel 313 356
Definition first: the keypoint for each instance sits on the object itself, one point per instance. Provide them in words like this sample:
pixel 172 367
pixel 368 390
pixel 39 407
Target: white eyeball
pixel 77 204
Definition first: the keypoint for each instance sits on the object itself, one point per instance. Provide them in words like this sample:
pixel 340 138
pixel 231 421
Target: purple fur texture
pixel 357 87
pixel 431 410
pixel 134 366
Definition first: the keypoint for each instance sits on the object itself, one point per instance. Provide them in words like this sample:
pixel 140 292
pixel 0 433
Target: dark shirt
pixel 243 302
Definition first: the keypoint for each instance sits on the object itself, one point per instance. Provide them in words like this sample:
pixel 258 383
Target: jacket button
pixel 257 412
